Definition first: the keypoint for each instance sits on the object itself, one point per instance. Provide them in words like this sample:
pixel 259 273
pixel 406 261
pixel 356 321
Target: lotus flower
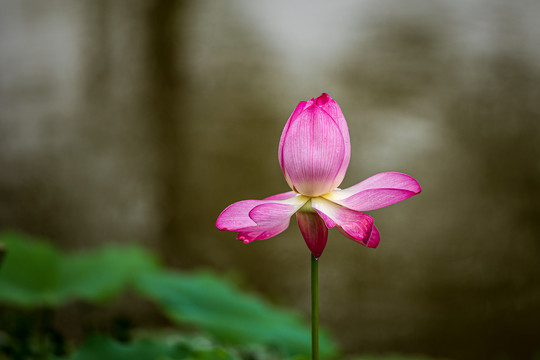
pixel 314 153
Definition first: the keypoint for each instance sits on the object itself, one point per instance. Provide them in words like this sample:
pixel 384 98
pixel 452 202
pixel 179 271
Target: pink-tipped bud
pixel 315 149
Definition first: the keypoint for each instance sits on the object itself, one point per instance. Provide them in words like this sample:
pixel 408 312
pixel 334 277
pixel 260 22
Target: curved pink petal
pixel 314 149
pixel 371 242
pixel 299 108
pixel 376 192
pixel 236 216
pixel 374 238
pixel 354 224
pixel 250 235
pixel 271 219
pixel 282 196
pixel 313 230
pixel 326 103
pixel 313 152
pixel 260 219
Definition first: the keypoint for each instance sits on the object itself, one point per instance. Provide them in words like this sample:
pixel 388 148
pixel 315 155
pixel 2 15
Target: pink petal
pixel 271 220
pixel 253 234
pixel 376 192
pixel 313 152
pixel 236 216
pixel 374 238
pixel 282 196
pixel 354 224
pixel 371 242
pixel 260 219
pixel 313 230
pixel 299 108
pixel 326 103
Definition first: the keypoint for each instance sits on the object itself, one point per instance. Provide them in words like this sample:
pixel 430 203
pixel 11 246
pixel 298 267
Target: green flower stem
pixel 314 308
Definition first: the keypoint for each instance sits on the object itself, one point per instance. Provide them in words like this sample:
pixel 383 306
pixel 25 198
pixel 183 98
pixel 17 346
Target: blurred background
pixel 140 121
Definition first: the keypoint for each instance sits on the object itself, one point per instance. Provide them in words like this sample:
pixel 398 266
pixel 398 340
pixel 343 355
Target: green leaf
pixel 391 357
pixel 107 349
pixel 36 274
pixel 103 273
pixel 30 272
pixel 229 314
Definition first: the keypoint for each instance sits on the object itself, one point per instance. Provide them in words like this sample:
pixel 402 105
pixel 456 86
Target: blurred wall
pixel 141 120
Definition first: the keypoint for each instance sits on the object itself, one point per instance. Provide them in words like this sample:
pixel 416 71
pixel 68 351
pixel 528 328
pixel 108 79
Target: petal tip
pixel 219 224
pixel 413 186
pixel 323 99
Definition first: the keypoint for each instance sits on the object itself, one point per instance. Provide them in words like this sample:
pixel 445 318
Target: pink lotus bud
pixel 315 149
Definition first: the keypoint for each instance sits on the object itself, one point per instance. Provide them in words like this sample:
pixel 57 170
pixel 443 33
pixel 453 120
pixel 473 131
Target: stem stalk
pixel 314 308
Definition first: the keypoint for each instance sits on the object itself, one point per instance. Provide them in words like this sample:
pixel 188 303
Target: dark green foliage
pixel 36 274
pixel 30 272
pixel 390 357
pixel 228 314
pixel 107 349
pixel 36 278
